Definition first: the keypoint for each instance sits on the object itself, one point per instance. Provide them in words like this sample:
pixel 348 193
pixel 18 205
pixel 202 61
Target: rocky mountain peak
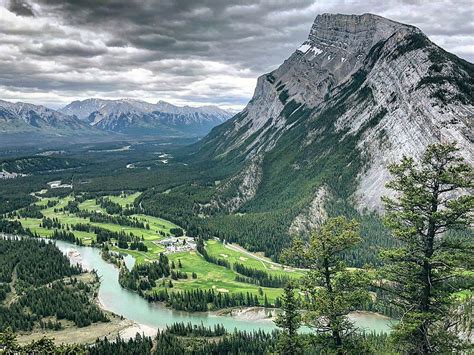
pixel 338 44
pixel 359 93
pixel 352 31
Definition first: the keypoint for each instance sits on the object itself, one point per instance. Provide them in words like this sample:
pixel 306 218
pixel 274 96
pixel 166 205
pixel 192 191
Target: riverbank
pixel 249 313
pixel 364 320
pixel 156 315
pixel 85 335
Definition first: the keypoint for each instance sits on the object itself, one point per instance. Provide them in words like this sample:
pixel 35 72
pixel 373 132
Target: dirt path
pixel 262 259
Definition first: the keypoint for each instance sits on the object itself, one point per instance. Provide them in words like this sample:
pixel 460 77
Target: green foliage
pixel 199 300
pixel 35 262
pixel 260 277
pixel 36 164
pixel 143 276
pixel 11 227
pixel 43 284
pixel 424 271
pixel 453 71
pixel 289 321
pixel 332 290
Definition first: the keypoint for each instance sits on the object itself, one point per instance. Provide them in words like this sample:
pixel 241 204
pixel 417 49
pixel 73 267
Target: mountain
pixel 139 117
pixel 35 117
pixel 320 130
pixel 26 123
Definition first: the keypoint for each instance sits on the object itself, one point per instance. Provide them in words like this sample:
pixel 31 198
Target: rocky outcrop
pixel 313 216
pixel 240 188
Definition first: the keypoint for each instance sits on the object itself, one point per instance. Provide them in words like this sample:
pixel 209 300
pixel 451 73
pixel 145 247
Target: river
pixel 130 305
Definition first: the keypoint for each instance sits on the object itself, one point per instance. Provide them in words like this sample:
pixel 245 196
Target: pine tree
pixel 289 321
pixel 8 341
pixel 332 290
pixel 432 200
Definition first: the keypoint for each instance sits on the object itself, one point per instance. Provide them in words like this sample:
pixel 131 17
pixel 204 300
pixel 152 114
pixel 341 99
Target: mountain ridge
pixel 359 93
pixel 109 117
pixel 126 115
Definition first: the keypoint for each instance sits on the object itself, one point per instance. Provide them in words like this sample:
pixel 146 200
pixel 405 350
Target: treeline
pixel 120 220
pixel 264 231
pixel 70 302
pixel 72 207
pixel 36 262
pixel 111 257
pixel 143 276
pixel 109 206
pixel 209 258
pixel 31 211
pixel 12 227
pixel 45 286
pixel 104 235
pixel 64 302
pixel 259 277
pixel 66 236
pixel 200 330
pixel 198 300
pixel 238 342
pixel 167 342
pixel 248 275
pixel 51 223
pixel 36 164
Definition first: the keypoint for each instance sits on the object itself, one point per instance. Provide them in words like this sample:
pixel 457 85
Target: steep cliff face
pixel 359 93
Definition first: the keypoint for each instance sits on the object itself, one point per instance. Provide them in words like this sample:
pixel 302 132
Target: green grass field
pixel 157 225
pixel 124 200
pixel 219 250
pixel 209 275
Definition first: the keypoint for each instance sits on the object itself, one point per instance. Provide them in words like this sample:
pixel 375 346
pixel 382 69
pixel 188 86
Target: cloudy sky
pixel 193 52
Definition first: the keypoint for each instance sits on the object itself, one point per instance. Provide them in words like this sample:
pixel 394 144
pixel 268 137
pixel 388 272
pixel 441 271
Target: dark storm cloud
pixel 67 48
pixel 20 7
pixel 190 51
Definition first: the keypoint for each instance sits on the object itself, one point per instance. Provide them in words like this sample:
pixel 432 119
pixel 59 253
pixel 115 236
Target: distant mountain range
pixel 133 116
pixel 96 119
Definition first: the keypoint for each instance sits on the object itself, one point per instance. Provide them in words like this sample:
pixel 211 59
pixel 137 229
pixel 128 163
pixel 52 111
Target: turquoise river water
pixel 130 305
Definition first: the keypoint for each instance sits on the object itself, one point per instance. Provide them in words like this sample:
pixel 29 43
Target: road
pixel 264 260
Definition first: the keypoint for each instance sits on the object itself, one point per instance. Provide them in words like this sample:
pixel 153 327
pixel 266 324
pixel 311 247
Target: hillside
pixel 320 130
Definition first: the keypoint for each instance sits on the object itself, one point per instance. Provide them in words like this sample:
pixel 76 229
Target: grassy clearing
pixel 157 225
pixel 219 250
pixel 211 276
pixel 90 205
pixel 124 199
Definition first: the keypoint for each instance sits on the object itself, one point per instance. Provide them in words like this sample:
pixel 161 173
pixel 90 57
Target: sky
pixel 194 52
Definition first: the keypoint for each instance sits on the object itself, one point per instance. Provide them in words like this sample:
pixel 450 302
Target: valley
pixel 333 214
pixel 208 275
